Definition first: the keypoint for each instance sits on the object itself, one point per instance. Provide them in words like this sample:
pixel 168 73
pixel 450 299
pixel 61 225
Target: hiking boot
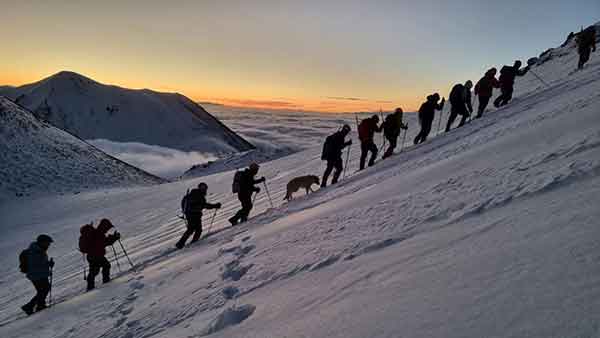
pixel 105 280
pixel 28 309
pixel 179 246
pixel 40 307
pixel 233 221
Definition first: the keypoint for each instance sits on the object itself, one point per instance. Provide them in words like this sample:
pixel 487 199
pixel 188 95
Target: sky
pixel 299 55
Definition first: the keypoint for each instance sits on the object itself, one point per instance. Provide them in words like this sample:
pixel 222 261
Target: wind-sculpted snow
pixel 490 230
pixel 37 158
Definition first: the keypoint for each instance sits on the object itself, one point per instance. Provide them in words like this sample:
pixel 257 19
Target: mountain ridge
pixel 92 110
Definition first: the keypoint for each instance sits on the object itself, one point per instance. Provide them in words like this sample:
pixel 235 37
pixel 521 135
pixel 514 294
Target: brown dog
pixel 301 182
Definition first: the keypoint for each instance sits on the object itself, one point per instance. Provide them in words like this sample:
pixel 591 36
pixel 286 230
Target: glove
pixel 51 263
pixel 349 142
pixel 117 236
pixel 257 190
pixel 218 205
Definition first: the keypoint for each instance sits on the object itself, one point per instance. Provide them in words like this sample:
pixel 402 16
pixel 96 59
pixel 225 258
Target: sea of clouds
pixel 161 161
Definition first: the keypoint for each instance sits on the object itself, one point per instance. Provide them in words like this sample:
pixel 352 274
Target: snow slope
pixel 92 110
pixel 37 158
pixel 487 231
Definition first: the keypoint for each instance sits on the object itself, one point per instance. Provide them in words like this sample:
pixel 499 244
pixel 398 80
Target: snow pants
pixel 504 97
pixel 365 148
pixel 194 227
pixel 42 288
pixel 96 264
pixel 337 164
pixel 483 102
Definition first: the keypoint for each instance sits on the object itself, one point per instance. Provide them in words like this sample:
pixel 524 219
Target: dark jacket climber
pixel 391 129
pixel 484 89
pixel 38 271
pixel 507 82
pixel 427 115
pixel 460 101
pixel 586 44
pixel 246 189
pixel 193 204
pixel 332 153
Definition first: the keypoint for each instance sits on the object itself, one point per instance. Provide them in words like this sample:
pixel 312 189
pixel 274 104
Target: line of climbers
pixel 34 261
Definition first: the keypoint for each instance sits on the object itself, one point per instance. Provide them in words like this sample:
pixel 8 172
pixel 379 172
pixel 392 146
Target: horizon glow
pixel 330 56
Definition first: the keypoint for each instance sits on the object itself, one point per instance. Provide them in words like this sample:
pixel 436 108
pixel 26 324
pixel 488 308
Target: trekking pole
pixel 84 269
pixel 254 198
pixel 51 282
pixel 212 220
pixel 440 121
pixel 347 158
pixel 116 257
pixel 403 138
pixel 382 136
pixel 268 195
pixel 126 255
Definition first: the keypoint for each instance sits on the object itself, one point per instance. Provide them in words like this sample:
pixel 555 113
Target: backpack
pixel 327 148
pixel 457 94
pixel 587 36
pixel 184 202
pixel 235 187
pixel 363 130
pixel 23 260
pixel 504 73
pixel 85 238
pixel 390 125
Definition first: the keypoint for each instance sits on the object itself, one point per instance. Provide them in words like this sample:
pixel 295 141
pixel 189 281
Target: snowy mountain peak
pixel 92 110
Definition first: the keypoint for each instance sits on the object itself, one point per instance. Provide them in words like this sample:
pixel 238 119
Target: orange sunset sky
pixel 335 56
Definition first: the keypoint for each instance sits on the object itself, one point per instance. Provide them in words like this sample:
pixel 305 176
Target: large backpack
pixel 504 73
pixel 363 130
pixel 457 94
pixel 23 260
pixel 85 238
pixel 184 202
pixel 390 125
pixel 327 148
pixel 235 186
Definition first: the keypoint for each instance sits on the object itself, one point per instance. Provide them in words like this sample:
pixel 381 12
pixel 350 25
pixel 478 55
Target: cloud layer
pixel 160 161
